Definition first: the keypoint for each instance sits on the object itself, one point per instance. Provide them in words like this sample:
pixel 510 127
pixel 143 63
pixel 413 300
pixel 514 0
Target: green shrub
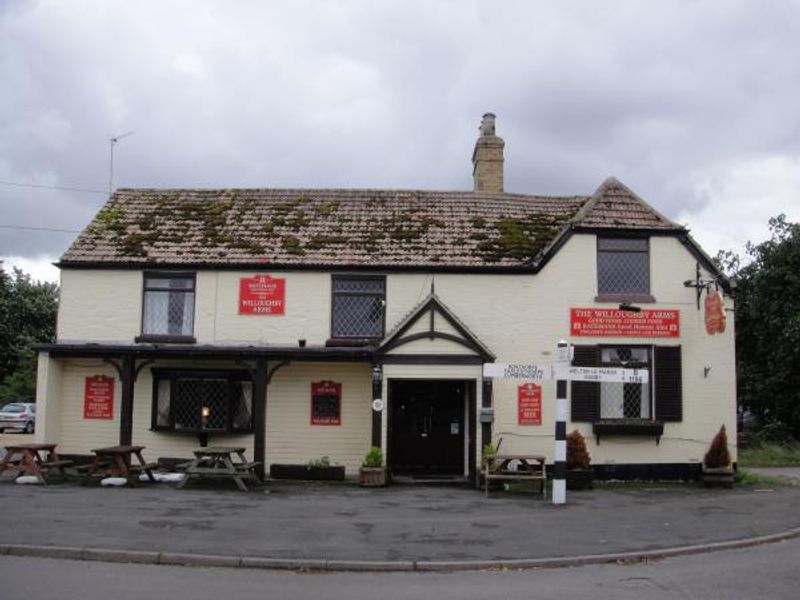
pixel 374 458
pixel 325 461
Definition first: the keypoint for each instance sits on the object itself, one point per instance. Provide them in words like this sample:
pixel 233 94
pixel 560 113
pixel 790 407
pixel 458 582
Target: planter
pixel 372 477
pixel 579 479
pixel 306 472
pixel 718 477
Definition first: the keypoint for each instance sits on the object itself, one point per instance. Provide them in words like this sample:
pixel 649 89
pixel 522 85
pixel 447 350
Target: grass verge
pixel 745 477
pixel 770 455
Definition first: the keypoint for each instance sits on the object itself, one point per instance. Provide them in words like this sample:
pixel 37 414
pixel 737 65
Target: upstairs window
pixel 623 269
pixel 168 307
pixel 358 307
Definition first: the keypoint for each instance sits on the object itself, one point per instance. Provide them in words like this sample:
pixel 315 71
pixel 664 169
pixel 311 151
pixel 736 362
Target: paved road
pixel 399 523
pixel 769 571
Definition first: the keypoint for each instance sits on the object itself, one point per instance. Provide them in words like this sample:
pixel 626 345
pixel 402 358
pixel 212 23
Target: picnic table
pixel 221 462
pixel 33 459
pixel 117 461
pixel 526 467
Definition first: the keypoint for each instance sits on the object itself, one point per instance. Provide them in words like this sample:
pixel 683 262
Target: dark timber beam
pixel 127 373
pixel 260 414
pixel 377 384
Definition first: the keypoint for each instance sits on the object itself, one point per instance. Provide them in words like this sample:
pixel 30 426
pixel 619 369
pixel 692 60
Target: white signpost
pixel 562 372
pixel 549 372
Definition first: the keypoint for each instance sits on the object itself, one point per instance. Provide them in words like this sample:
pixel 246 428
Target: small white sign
pixel 377 405
pixel 539 372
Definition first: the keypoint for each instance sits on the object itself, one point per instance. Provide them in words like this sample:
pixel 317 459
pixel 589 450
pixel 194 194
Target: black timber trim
pixel 434 305
pixel 472 423
pixel 226 352
pixel 431 359
pixel 255 266
pixel 260 389
pixel 431 335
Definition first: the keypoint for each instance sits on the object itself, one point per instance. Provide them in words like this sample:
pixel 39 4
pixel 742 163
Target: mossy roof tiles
pixel 340 228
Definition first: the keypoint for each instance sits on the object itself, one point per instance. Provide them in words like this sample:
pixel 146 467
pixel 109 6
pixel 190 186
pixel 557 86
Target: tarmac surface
pixel 401 527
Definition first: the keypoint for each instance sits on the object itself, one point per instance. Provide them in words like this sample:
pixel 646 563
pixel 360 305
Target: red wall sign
pixel 262 295
pixel 623 323
pixel 529 404
pixel 98 397
pixel 326 403
pixel 715 313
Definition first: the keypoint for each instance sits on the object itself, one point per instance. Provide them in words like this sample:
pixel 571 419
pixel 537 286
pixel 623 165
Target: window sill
pixel 352 342
pixel 165 339
pixel 629 427
pixel 637 298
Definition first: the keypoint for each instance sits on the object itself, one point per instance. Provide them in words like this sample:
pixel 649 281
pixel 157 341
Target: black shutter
pixel 668 383
pixel 586 394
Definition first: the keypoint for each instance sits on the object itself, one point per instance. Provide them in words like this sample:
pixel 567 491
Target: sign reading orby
pixel 262 295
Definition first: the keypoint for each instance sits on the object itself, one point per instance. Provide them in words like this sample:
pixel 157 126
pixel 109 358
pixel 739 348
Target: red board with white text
pixel 529 404
pixel 98 397
pixel 262 295
pixel 326 403
pixel 610 322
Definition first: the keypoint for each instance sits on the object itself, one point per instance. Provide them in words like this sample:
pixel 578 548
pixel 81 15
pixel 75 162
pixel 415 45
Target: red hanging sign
pixel 262 295
pixel 98 397
pixel 715 313
pixel 610 322
pixel 529 404
pixel 326 403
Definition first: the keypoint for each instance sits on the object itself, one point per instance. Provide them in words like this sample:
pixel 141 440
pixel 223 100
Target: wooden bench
pixel 530 467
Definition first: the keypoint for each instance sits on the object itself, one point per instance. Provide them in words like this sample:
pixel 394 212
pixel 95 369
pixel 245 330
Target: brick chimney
pixel 487 158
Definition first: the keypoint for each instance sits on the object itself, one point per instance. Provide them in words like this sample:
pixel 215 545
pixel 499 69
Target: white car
pixel 18 415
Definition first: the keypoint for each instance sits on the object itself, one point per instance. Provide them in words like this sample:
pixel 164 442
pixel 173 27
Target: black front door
pixel 427 427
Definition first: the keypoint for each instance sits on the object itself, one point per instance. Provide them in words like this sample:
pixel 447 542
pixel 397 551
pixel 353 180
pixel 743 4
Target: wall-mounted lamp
pixel 629 307
pixel 377 374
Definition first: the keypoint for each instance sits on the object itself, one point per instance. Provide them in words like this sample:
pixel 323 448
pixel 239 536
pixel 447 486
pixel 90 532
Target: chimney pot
pixel 487 157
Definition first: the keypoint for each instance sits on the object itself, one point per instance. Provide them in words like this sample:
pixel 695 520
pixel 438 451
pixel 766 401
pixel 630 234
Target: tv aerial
pixel 112 142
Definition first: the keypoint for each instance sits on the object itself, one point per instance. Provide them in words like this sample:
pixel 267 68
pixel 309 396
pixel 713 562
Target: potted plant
pixel 319 469
pixel 372 472
pixel 580 474
pixel 717 467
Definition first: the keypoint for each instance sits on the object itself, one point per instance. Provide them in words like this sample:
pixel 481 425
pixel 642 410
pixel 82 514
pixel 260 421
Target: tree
pixel 768 325
pixel 27 315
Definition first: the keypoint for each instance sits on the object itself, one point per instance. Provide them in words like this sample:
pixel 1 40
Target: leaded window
pixel 168 307
pixel 202 401
pixel 358 306
pixel 623 266
pixel 625 400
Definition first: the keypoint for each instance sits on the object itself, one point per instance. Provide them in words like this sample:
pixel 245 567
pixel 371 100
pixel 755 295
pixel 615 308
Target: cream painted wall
pixel 518 317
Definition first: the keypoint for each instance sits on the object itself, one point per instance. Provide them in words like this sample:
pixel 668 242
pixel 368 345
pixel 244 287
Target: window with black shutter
pixel 625 408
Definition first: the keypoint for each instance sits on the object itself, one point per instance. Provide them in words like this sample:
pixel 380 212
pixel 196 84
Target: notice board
pixel 98 397
pixel 529 404
pixel 622 323
pixel 326 403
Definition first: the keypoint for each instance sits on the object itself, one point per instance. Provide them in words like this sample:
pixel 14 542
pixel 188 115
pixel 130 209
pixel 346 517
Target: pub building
pixel 302 323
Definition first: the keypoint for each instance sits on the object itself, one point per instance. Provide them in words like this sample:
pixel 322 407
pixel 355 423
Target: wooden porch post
pixel 260 414
pixel 127 375
pixel 377 415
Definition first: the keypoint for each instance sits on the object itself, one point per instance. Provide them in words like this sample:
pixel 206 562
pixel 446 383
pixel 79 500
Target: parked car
pixel 18 415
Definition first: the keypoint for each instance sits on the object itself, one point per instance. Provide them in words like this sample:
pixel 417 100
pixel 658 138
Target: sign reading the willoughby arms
pixel 715 313
pixel 529 404
pixel 262 295
pixel 326 403
pixel 609 322
pixel 98 397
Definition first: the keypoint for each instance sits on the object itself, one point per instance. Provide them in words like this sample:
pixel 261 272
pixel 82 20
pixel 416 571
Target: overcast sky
pixel 695 105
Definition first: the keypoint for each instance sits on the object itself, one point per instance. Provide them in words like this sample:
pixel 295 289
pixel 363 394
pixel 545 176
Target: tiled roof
pixel 340 228
pixel 615 206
